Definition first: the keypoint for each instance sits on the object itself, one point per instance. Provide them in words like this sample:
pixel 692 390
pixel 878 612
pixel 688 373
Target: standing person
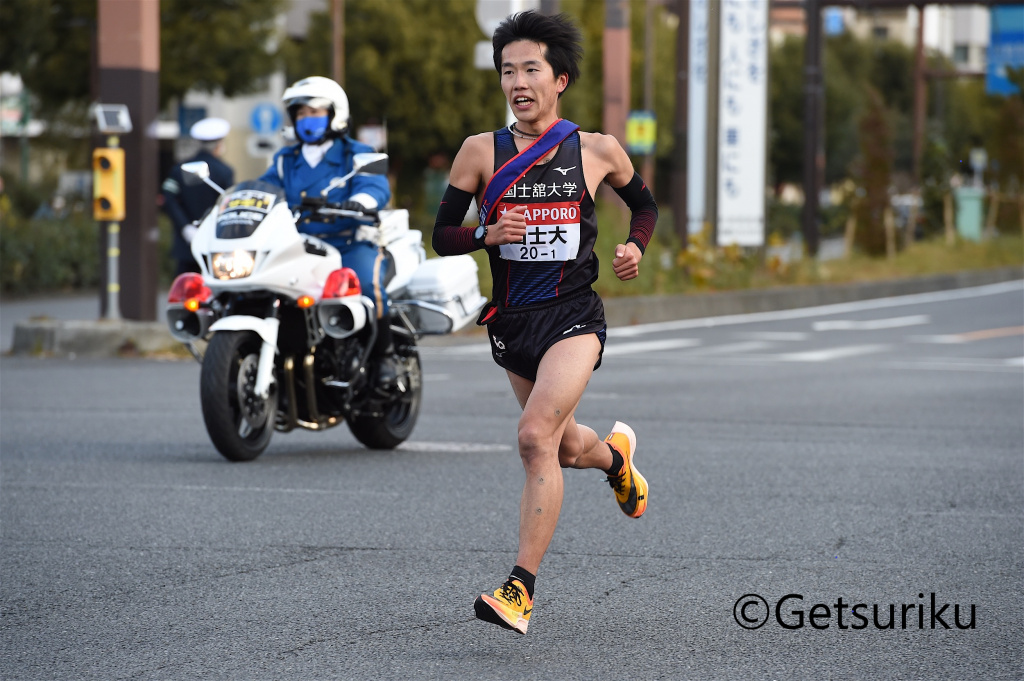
pixel 535 183
pixel 319 111
pixel 186 203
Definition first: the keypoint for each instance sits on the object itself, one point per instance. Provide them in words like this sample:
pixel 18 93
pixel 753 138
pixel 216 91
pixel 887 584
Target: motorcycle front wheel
pixel 394 425
pixel 238 421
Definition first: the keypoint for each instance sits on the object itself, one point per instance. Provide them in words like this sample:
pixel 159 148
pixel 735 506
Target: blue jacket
pixel 290 171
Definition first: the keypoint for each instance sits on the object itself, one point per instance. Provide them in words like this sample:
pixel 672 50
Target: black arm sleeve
pixel 643 208
pixel 450 237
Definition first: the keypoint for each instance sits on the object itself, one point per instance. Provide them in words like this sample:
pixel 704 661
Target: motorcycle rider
pixel 319 111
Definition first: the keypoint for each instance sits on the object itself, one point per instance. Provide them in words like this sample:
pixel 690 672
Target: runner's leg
pixel 548 406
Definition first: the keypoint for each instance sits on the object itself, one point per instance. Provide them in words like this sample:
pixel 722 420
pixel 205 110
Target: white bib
pixel 552 233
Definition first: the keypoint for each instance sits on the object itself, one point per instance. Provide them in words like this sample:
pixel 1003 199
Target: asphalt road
pixel 867 453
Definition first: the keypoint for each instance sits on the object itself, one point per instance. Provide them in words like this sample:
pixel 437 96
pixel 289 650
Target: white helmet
pixel 321 93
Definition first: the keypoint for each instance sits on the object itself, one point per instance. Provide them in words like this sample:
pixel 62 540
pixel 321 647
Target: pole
pixel 338 40
pixel 814 159
pixel 919 95
pixel 679 129
pixel 649 85
pixel 711 155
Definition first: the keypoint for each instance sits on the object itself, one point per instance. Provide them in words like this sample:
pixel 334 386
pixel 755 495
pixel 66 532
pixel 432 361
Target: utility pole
pixel 648 168
pixel 920 95
pixel 616 70
pixel 549 7
pixel 679 127
pixel 338 40
pixel 128 61
pixel 711 133
pixel 814 155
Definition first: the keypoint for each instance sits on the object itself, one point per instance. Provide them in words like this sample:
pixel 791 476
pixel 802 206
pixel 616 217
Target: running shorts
pixel 520 336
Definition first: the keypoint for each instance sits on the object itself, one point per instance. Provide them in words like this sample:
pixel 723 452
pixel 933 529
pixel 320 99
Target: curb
pixel 110 338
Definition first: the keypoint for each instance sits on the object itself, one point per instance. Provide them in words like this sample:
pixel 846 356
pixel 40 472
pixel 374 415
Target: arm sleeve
pixel 450 237
pixel 643 208
pixel 171 191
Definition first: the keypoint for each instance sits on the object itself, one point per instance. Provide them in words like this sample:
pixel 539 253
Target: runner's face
pixel 529 84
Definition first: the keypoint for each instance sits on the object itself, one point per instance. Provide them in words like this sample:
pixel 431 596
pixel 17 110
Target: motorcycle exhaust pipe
pixel 187 326
pixel 343 317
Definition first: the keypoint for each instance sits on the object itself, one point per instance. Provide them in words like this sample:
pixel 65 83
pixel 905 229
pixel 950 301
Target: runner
pixel 534 182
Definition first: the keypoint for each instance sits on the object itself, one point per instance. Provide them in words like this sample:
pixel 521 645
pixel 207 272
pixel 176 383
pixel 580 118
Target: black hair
pixel 559 35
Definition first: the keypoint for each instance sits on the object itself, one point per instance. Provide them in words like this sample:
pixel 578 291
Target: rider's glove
pixel 188 232
pixel 353 205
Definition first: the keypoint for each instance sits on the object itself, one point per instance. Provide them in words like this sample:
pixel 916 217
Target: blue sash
pixel 517 166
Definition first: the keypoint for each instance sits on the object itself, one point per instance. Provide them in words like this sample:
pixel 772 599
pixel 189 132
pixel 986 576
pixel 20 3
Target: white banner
pixel 697 114
pixel 742 122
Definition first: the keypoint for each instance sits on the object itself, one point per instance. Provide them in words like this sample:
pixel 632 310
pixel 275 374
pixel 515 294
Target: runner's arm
pixel 449 236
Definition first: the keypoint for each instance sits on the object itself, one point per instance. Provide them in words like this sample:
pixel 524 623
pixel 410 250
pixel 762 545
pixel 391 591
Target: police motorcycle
pixel 287 331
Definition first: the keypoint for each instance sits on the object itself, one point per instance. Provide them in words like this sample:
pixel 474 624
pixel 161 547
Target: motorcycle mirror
pixel 195 172
pixel 370 164
pixel 198 172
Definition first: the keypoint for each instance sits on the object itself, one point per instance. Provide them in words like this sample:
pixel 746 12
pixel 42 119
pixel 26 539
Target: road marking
pixel 452 447
pixel 727 348
pixel 831 353
pixel 870 324
pixel 650 346
pixel 775 335
pixel 821 310
pixel 1015 361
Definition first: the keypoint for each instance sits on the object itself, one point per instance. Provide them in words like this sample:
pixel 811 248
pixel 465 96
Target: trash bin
pixel 969 204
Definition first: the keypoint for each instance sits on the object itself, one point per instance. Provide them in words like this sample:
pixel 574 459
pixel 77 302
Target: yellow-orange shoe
pixel 630 487
pixel 509 607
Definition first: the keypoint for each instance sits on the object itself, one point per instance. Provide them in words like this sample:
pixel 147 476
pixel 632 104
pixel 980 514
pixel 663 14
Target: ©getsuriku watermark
pixel 753 612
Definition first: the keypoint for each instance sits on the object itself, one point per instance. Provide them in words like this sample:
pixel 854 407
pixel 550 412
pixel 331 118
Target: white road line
pixel 1015 361
pixel 726 348
pixel 870 324
pixel 831 353
pixel 650 346
pixel 948 339
pixel 452 447
pixel 821 310
pixel 775 335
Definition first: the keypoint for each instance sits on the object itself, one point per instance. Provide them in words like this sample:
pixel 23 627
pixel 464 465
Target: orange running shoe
pixel 630 487
pixel 510 606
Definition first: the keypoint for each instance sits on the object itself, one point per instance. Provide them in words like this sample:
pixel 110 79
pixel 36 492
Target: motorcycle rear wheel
pixel 238 421
pixel 399 417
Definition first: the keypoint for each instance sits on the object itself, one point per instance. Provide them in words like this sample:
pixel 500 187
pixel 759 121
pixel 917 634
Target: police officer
pixel 319 111
pixel 184 203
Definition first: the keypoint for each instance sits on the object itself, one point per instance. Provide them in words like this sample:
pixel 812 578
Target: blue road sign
pixel 1006 48
pixel 265 119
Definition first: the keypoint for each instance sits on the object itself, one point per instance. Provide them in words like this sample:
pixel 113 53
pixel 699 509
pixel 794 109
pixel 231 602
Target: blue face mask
pixel 311 129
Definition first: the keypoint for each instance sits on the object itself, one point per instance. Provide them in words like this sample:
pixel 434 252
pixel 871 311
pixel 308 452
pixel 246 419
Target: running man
pixel 535 182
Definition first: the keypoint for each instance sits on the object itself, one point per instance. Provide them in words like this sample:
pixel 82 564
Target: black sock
pixel 617 462
pixel 525 577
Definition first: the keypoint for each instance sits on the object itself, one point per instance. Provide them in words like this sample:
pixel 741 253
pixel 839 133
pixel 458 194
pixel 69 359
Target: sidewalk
pixel 69 325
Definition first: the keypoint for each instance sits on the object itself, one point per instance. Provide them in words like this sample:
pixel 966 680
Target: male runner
pixel 546 324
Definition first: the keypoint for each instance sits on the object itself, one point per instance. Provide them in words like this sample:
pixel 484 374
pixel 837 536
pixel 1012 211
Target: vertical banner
pixel 742 122
pixel 697 114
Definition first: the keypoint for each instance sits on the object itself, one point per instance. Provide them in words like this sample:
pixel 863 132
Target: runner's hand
pixel 626 264
pixel 509 229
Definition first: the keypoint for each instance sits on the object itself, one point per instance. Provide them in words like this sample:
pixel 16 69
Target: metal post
pixel 711 159
pixel 919 95
pixel 649 85
pixel 113 284
pixel 813 96
pixel 338 40
pixel 681 139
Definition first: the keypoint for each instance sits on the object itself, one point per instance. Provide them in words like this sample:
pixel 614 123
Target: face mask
pixel 311 129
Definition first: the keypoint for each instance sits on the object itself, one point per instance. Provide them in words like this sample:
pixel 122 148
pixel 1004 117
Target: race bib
pixel 552 232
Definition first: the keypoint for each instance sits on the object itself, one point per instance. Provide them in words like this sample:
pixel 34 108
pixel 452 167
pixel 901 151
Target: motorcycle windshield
pixel 244 206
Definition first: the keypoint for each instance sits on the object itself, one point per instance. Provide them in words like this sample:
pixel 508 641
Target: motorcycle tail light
pixel 342 283
pixel 189 289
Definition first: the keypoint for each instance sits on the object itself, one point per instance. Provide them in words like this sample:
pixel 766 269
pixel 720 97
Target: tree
pixel 875 175
pixel 208 45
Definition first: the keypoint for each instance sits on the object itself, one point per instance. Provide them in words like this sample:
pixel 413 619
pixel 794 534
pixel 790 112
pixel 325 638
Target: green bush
pixel 48 254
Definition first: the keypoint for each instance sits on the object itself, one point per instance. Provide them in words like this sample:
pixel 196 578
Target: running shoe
pixel 509 607
pixel 630 487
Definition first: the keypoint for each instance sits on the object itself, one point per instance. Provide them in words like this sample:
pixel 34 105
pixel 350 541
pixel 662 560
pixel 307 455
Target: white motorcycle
pixel 288 331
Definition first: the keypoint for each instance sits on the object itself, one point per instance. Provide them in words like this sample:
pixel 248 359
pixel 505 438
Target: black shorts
pixel 520 336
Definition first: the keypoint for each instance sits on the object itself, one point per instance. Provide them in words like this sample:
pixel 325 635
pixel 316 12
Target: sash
pixel 517 166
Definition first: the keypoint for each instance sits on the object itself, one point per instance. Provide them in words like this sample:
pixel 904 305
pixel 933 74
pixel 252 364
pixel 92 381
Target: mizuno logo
pixel 565 170
pixel 578 326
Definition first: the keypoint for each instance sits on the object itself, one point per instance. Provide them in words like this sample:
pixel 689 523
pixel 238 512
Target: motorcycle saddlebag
pixel 451 284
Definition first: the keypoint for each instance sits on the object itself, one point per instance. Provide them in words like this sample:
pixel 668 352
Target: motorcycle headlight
pixel 233 265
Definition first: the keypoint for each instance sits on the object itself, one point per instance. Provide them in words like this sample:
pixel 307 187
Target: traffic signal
pixel 108 184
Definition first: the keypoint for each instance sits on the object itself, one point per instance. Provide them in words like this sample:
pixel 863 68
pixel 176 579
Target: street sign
pixel 641 132
pixel 265 119
pixel 260 146
pixel 1006 48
